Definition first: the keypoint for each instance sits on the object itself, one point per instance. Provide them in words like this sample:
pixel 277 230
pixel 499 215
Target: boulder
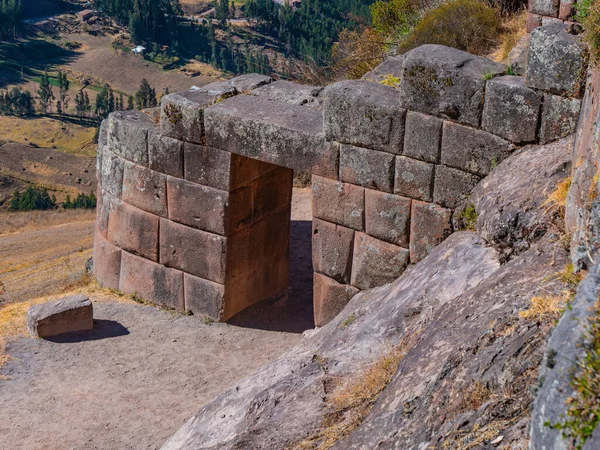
pixel 70 314
pixel 388 71
pixel 446 82
pixel 557 60
pixel 292 93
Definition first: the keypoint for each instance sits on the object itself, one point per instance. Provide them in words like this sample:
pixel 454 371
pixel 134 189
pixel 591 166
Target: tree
pixel 130 103
pixel 45 92
pixel 63 86
pixel 145 97
pixel 222 12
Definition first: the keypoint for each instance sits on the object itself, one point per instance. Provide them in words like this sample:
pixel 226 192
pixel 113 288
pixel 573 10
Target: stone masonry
pixel 194 209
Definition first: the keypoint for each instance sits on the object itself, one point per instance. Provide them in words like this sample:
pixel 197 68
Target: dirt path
pixel 144 371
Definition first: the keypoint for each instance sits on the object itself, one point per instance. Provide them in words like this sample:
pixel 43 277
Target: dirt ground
pixel 144 371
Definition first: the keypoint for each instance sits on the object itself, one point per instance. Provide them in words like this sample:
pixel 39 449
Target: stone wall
pixel 544 12
pixel 195 206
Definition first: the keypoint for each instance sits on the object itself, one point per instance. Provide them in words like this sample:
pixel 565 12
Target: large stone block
pixel 182 114
pixel 446 82
pixel 207 166
pixel 257 262
pixel 557 60
pixel 68 315
pixel 559 117
pixel 134 230
pixel 452 186
pixel 511 109
pixel 533 21
pixel 127 135
pixel 430 225
pixel 566 10
pixel 388 217
pixel 104 208
pixel 364 114
pixel 471 150
pixel 413 178
pixel 199 206
pixel 107 262
pixel 366 167
pixel 375 262
pixel 293 93
pixel 193 251
pixel 330 297
pixel 151 281
pixel 102 145
pixel 422 137
pixel 332 250
pixel 278 133
pixel 271 192
pixel 165 154
pixel 145 189
pixel 204 297
pixel 111 176
pixel 544 7
pixel 338 202
pixel 242 84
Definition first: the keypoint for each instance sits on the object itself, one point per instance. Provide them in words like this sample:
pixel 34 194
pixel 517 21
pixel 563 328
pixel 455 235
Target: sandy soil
pixel 144 371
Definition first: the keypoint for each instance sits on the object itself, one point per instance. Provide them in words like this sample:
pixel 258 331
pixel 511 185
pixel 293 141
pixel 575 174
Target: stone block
pixel 364 114
pixel 365 167
pixel 452 186
pixel 413 178
pixel 145 189
pixel 165 154
pixel 199 206
pixel 566 10
pixel 67 315
pixel 257 262
pixel 104 209
pixel 446 82
pixel 111 177
pixel 245 170
pixel 559 117
pixel 292 93
pixel 102 145
pixel 151 281
pixel 330 297
pixel 557 60
pixel 422 137
pixel 242 84
pixel 388 71
pixel 134 230
pixel 107 262
pixel 332 250
pixel 193 251
pixel 338 202
pixel 376 262
pixel 471 150
pixel 388 217
pixel 204 297
pixel 511 109
pixel 271 192
pixel 286 135
pixel 182 114
pixel 207 166
pixel 430 225
pixel 533 21
pixel 127 135
pixel 544 7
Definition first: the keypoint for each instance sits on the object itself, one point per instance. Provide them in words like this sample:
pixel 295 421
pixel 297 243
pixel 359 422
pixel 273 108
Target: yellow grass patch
pixel 547 308
pixel 515 27
pixel 48 133
pixel 33 220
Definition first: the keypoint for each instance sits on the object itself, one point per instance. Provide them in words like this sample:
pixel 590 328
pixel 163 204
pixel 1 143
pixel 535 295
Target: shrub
pixel 81 201
pixel 591 24
pixel 394 17
pixel 468 25
pixel 33 198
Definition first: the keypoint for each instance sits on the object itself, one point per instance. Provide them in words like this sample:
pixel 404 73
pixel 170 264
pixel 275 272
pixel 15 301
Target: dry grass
pixel 351 401
pixel 515 28
pixel 558 198
pixel 547 308
pixel 476 395
pixel 47 132
pixel 32 220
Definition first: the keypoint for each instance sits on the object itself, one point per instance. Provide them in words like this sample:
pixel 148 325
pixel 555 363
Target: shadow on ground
pixel 103 329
